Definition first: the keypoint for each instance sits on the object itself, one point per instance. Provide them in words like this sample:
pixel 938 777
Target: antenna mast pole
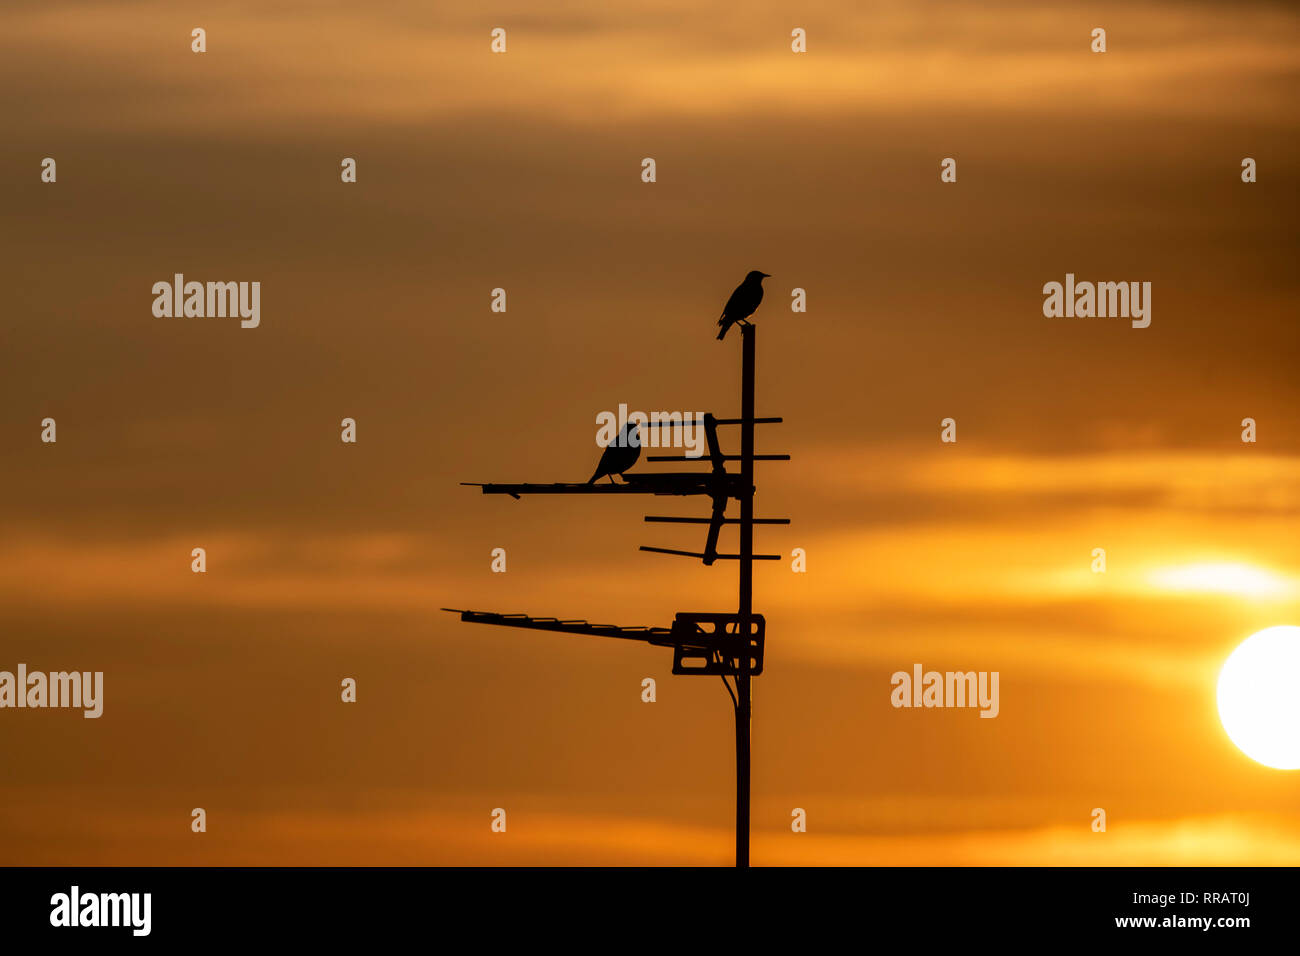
pixel 746 608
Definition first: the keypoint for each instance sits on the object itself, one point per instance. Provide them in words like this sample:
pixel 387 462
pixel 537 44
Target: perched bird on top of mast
pixel 742 303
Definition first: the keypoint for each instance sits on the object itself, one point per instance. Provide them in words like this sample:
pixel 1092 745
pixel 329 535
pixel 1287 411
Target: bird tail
pixel 592 479
pixel 722 332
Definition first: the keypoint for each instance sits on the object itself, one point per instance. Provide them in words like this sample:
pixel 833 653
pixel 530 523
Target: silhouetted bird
pixel 619 455
pixel 742 303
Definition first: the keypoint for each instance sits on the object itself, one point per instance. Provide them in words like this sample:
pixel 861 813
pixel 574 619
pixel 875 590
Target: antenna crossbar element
pixel 713 484
pixel 708 557
pixel 703 642
pixel 649 634
pixel 716 421
pixel 719 457
pixel 673 519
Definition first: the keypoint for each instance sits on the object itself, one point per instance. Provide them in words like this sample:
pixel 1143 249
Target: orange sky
pixel 523 171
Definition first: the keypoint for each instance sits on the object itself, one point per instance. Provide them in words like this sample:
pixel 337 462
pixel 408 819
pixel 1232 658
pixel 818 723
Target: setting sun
pixel 1258 703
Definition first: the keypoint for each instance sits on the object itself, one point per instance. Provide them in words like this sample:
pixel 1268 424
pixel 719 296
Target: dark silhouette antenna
pixel 725 644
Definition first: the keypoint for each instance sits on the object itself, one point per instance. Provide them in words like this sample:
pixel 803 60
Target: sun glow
pixel 1221 578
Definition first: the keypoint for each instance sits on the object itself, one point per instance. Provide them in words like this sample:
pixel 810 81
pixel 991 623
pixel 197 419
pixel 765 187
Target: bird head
pixel 757 276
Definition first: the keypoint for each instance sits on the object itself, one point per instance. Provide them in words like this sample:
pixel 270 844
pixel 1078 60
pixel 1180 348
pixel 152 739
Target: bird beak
pixel 766 275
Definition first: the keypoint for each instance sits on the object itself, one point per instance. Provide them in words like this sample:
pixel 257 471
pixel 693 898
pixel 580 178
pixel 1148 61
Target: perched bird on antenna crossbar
pixel 619 455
